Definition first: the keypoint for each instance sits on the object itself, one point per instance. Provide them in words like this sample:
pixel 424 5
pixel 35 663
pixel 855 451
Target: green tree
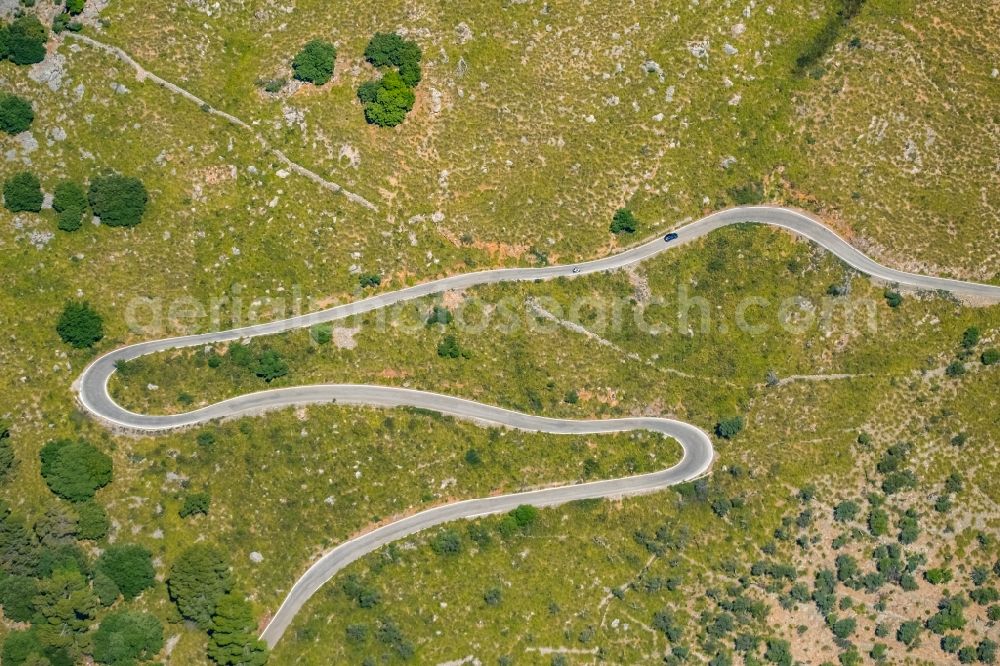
pixel 950 615
pixel 69 201
pixel 105 589
pixel 893 298
pixel 878 522
pixel 314 63
pixel 22 192
pixel 197 581
pixel 74 470
pixel 778 652
pixel 387 100
pixel 986 651
pixel 623 221
pixel 233 639
pixel 18 548
pixel 66 606
pixel 80 325
pixel 951 643
pixel 16 113
pixel 270 366
pixel 843 628
pixel 57 526
pixel 25 40
pixel 845 511
pixel 119 201
pixel 22 647
pixel 126 637
pixel 93 523
pixel 195 503
pixel 389 49
pixel 130 567
pixel 17 596
pixel 8 459
pixel 74 7
pixel 908 633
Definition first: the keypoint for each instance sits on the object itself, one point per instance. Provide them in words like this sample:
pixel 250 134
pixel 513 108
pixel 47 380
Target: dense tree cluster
pixel 386 101
pixel 16 113
pixel 314 63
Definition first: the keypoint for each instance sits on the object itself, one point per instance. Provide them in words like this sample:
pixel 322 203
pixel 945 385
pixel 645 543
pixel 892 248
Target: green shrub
pixel 955 369
pixel 269 366
pixel 16 114
pixel 314 63
pixel 23 192
pixel 80 325
pixel 387 100
pixel 74 7
pixel 970 338
pixel 990 356
pixel 119 201
pixel 729 428
pixel 623 221
pixel 447 542
pixel 845 511
pixel 893 298
pixel 321 333
pixel 524 516
pixel 74 470
pixel 69 201
pixel 449 348
pixel 369 280
pixel 195 503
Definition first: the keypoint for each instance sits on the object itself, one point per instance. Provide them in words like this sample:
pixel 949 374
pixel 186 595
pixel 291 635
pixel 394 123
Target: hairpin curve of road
pixel 92 389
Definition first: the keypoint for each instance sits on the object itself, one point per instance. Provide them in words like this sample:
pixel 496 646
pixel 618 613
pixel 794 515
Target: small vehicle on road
pixel 669 237
pixel 576 269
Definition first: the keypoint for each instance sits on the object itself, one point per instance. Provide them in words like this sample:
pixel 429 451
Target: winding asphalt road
pixel 93 395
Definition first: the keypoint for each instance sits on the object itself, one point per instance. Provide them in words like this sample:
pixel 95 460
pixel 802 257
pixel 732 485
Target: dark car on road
pixel 669 237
